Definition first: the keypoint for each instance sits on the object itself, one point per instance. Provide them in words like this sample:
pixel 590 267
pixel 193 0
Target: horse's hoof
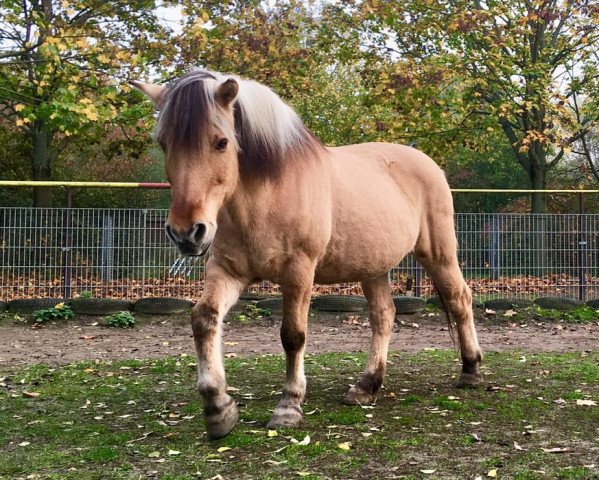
pixel 287 416
pixel 469 380
pixel 357 396
pixel 219 424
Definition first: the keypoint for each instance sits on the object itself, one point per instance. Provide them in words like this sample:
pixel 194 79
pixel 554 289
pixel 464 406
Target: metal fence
pixel 125 254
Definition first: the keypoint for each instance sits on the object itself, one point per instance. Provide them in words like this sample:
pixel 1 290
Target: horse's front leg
pixel 297 289
pixel 221 291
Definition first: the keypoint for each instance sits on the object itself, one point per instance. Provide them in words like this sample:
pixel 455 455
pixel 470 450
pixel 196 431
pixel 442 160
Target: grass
pixel 142 419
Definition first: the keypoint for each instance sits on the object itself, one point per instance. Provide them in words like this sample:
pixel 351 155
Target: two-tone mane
pixel 268 133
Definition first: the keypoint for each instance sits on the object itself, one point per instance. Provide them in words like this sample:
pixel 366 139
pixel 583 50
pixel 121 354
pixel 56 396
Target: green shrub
pixel 57 312
pixel 252 312
pixel 120 320
pixel 86 294
pixel 582 314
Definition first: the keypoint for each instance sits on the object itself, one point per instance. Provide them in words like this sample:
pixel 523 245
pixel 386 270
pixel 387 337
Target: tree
pixel 520 65
pixel 61 63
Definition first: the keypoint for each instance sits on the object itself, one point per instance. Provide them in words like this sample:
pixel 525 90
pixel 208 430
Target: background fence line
pixel 124 253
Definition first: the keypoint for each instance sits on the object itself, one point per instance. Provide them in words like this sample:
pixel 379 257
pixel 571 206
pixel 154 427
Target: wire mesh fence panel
pixel 124 253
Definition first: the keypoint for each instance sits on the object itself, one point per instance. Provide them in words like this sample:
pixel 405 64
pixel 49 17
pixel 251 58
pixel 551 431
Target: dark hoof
pixel 219 424
pixel 357 396
pixel 469 380
pixel 287 416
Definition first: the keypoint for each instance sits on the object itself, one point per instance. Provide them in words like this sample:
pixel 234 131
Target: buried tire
pixel 162 305
pixel 556 303
pixel 99 306
pixel 406 305
pixel 274 304
pixel 507 303
pixel 30 305
pixel 339 303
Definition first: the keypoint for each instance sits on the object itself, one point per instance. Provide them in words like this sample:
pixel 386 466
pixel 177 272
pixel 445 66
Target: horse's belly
pixel 359 255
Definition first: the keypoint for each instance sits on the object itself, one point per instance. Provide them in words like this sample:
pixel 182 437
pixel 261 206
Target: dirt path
pixel 20 344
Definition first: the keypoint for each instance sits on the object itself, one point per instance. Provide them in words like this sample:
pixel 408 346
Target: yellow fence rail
pixel 160 185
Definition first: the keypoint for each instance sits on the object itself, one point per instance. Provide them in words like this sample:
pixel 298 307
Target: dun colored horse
pixel 252 185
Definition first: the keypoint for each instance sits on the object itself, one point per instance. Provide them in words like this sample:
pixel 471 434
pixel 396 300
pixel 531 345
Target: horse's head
pixel 197 134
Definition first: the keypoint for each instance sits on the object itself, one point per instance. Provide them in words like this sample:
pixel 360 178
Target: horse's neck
pixel 256 203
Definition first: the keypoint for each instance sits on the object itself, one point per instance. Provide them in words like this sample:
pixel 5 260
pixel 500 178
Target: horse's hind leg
pixel 297 289
pixel 444 270
pixel 382 315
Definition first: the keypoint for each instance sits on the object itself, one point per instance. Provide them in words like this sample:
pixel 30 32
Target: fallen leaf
pixel 275 463
pixel 555 450
pixel 30 394
pixel 303 443
pixel 517 446
pixel 223 449
pixel 87 337
pixel 24 444
pixel 428 472
pixel 510 313
pixel 230 355
pixel 492 473
pixel 155 454
pixel 231 344
pixel 174 452
pixel 272 433
pixel 489 312
pixel 366 434
pixel 586 403
pixel 346 446
pixel 303 474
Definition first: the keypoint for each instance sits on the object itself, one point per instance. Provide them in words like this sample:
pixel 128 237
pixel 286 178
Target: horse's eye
pixel 221 145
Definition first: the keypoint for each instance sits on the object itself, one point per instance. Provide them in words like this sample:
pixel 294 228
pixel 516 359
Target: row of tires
pixel 408 305
pixel 101 306
pixel 323 303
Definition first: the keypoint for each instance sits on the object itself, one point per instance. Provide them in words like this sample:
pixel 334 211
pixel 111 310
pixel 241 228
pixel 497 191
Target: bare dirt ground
pixel 22 343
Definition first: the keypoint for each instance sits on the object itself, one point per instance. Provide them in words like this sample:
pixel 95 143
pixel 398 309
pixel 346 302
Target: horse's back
pixel 381 195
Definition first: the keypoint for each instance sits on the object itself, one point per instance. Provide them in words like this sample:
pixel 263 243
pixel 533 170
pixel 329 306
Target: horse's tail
pixel 450 321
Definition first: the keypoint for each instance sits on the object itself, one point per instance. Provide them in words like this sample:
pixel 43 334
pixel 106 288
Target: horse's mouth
pixel 205 250
pixel 189 250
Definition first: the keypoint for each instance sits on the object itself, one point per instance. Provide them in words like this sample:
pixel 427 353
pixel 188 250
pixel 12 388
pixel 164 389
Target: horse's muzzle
pixel 194 242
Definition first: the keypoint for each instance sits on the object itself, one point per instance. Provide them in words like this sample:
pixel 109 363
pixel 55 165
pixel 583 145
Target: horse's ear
pixel 227 92
pixel 154 92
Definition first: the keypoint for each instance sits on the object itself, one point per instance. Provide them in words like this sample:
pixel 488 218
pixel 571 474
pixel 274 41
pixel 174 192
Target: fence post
pixel 68 246
pixel 495 259
pixel 107 250
pixel 418 280
pixel 581 249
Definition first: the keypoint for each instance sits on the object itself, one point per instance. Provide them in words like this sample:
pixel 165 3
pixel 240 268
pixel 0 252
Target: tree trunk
pixel 538 181
pixel 41 163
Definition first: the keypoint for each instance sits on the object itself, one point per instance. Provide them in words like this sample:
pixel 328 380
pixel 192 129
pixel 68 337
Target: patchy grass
pixel 582 314
pixel 142 419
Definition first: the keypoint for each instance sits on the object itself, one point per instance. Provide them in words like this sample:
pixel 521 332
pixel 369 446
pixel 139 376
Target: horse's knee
pixel 293 338
pixel 204 319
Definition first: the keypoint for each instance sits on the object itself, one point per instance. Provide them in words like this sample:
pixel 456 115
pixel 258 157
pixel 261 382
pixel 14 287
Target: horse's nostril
pixel 200 231
pixel 170 234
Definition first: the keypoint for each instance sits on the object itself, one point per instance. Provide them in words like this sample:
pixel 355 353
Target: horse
pixel 253 186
